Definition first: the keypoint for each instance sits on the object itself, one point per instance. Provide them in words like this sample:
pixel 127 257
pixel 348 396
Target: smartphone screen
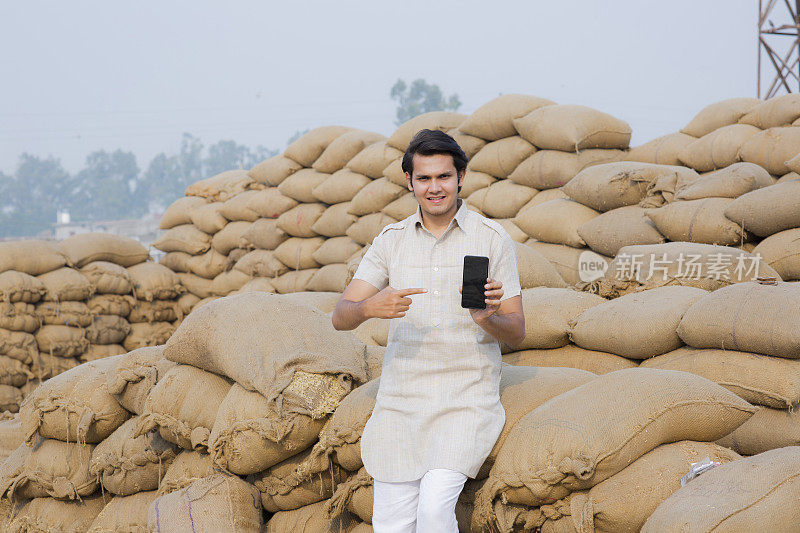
pixel 476 271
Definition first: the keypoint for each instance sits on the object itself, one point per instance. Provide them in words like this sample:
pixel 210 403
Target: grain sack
pixel 124 514
pixel 131 377
pixel 186 302
pixel 46 514
pixel 718 320
pixel 66 284
pixel 516 234
pixel 368 227
pixel 228 237
pixel 262 263
pixel 11 434
pixel 175 261
pixel 183 405
pixel 311 519
pixel 625 501
pixel 155 311
pixel 257 284
pixel 273 170
pixel 297 253
pixel 718 149
pixel 20 316
pixel 184 238
pixel 270 203
pixel 434 120
pixel 662 190
pixel 776 111
pixel 781 251
pixel 32 257
pixel 623 226
pixel 720 114
pixel 638 325
pixel 561 446
pixel 85 248
pixel 791 176
pixel 237 207
pixel 229 281
pixel 108 329
pixel 700 221
pixel 45 366
pixel 556 221
pixel 334 221
pixel 768 429
pixel 768 210
pixel 107 278
pixel 335 250
pixel 758 379
pixel 719 500
pixel 730 182
pixel 473 181
pixel 662 150
pixel 548 169
pixel 329 278
pixel 373 159
pixel 48 467
pixel 148 334
pixel 299 220
pixel 10 398
pixel 356 495
pixel 308 147
pixel 342 149
pixel 502 199
pixel 772 148
pixel 394 171
pixel 207 217
pixel 494 119
pixel 20 287
pixel 544 196
pixel 293 281
pixel 299 186
pixel 263 234
pixel 341 186
pixel 215 503
pixel 572 128
pixel 375 196
pixel 565 259
pixel 500 158
pixel 152 281
pixel 179 211
pixel 221 186
pixel 101 351
pixel 570 356
pixel 13 372
pixel 61 341
pixel 18 345
pixel 470 144
pixel 196 285
pixel 187 467
pixel 324 301
pixel 794 165
pixel 126 463
pixel 548 312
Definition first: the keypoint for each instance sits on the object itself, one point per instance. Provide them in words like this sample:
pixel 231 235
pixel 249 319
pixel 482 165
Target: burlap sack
pixel 85 248
pixel 718 500
pixel 368 227
pixel 273 170
pixel 155 311
pixel 184 238
pixel 768 210
pixel 108 278
pixel 126 463
pixel 335 250
pixel 473 181
pixel 772 148
pixel 293 281
pixel 207 217
pixel 556 221
pixel 297 253
pixel 516 234
pixel 186 302
pixel 394 171
pixel 21 316
pixel 263 234
pixel 45 366
pixel 108 329
pixel 373 159
pixel 500 158
pixel 562 446
pixel 228 237
pixel 434 120
pixel 777 111
pixel 374 359
pixel 61 341
pixel 124 514
pixel 719 320
pixel 564 259
pixel 13 372
pixel 502 199
pixel 229 281
pixel 308 147
pixel 494 119
pixel 403 207
pixel 10 398
pixel 299 186
pixel 101 351
pixel 341 186
pixel 374 196
pixel 730 182
pixel 570 356
pixel 222 186
pixel 717 149
pixel 46 514
pixel 175 261
pixel 700 221
pixel 238 208
pixel 152 281
pixel 132 376
pixel 310 519
pixel 572 128
pixel 329 278
pixel 719 114
pixel 323 301
pixel 548 312
pixel 48 467
pixel 215 503
pixel 794 166
pixel 781 251
pixel 768 429
pixel 18 345
pixel 183 405
pixel 148 334
pixel 179 211
pixel 270 203
pixel 31 257
pixel 662 150
pixel 257 284
pixel 66 284
pixel 187 467
pixel 262 263
pixel 208 265
pixel 624 226
pixel 356 495
pixel 196 285
pixel 299 220
pixel 11 434
pixel 20 287
pixel 334 221
pixel 548 169
pixel 342 149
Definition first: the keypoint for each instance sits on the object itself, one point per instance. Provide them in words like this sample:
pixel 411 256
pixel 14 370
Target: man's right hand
pixel 390 302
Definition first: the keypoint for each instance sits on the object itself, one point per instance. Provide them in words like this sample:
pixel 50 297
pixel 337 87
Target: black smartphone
pixel 476 271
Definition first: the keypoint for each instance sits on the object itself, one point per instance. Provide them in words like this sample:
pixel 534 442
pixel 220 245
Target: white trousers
pixel 425 505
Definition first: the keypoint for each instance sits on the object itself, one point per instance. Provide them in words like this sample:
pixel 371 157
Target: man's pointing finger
pixel 408 292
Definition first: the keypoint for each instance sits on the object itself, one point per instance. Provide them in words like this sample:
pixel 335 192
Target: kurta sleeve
pixel 503 266
pixel 374 268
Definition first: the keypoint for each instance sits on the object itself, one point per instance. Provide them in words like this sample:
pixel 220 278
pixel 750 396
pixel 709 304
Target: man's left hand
pixel 493 292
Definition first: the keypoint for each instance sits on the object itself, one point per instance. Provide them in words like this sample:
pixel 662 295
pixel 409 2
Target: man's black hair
pixel 430 142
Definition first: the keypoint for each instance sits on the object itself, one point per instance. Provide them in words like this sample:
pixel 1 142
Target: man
pixel 438 412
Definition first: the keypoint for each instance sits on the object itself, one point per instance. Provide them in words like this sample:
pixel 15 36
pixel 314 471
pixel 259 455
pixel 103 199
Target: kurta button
pixel 436 269
pixel 436 292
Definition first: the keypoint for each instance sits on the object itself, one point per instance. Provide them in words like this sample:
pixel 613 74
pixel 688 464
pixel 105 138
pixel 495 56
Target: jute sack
pixel 186 302
pixel 434 120
pixel 256 284
pixel 13 372
pixel 374 196
pixel 228 237
pixel 184 238
pixel 45 366
pixel 307 148
pixel 299 186
pixel 623 226
pixel 548 312
pixel 155 311
pixel 132 376
pixel 20 287
pixel 729 182
pixel 403 207
pixel 273 170
pixel 178 212
pixel 310 519
pixel 500 158
pixel 781 251
pixel 124 514
pixel 494 119
pixel 208 265
pixel 126 464
pixel 374 359
pixel 341 186
pixel 335 250
pixel 469 143
pixel 794 166
pixel 719 114
pixel 324 301
pixel 74 406
pixel 758 379
pixel 772 148
pixel 368 227
pixel 11 434
pixel 735 318
pixel 562 446
pixel 299 220
pixel 196 285
pixel 548 169
pixel 263 234
pixel 61 341
pixel 222 186
pixel 10 398
pixel 502 199
pixel 718 500
pixel 187 467
pixel 20 316
pixel 108 329
pixel 354 261
pixel 260 263
pixel 564 259
pixel 215 503
pixel 556 221
pixel 373 159
pixel 572 128
pixel 152 281
pixel 356 495
pixel 701 221
pixel 107 278
pixel 474 181
pixel 48 467
pixel 718 149
pixel 662 190
pixel 768 429
pixel 535 270
pixel 293 281
pixel 270 203
pixel 296 253
pixel 31 257
pixel 175 261
pixel 85 248
pixel 148 334
pixel 329 278
pixel 66 284
pixel 229 281
pixel 776 111
pixel 570 356
pixel 101 351
pixel 207 217
pixel 624 502
pixel 342 149
pixel 516 234
pixel 643 323
pixel 334 221
pixel 662 150
pixel 18 345
pixel 46 514
pixel 237 207
pixel 769 210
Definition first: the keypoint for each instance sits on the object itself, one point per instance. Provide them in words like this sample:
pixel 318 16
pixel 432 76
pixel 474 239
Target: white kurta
pixel 438 404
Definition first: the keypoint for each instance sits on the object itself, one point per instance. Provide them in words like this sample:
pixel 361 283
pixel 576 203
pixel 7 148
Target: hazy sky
pixel 84 75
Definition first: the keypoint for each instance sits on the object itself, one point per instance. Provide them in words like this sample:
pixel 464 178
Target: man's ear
pixel 408 182
pixel 461 177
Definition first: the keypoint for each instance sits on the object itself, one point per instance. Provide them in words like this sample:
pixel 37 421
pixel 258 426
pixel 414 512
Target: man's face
pixel 434 183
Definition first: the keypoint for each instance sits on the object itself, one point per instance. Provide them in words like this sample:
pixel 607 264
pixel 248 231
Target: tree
pixel 227 155
pixel 32 196
pixel 420 97
pixel 107 188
